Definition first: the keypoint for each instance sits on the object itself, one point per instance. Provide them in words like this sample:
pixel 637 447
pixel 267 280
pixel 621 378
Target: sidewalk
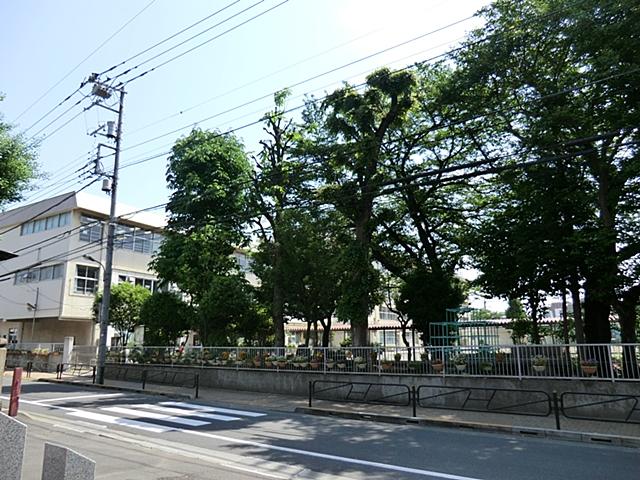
pixel 576 430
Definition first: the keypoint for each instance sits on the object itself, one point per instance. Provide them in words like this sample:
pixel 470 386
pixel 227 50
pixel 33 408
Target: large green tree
pixel 559 79
pixel 17 163
pixel 208 175
pixel 277 181
pixel 348 133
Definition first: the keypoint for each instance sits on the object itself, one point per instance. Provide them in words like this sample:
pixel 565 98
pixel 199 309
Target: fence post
pixel 324 360
pixel 414 401
pixel 518 363
pixel 556 409
pixel 610 362
pixel 93 375
pixel 237 358
pixel 144 378
pixel 197 382
pixel 310 392
pixel 14 399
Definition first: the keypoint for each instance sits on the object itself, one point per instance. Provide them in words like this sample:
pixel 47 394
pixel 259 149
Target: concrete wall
pixel 297 383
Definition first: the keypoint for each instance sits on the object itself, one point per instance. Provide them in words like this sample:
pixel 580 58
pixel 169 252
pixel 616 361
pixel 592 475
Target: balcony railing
pixel 610 362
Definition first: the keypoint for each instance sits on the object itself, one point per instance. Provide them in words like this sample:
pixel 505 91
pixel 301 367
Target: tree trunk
pixel 535 330
pixel 277 310
pixel 627 316
pixel 577 310
pixel 326 332
pixel 597 309
pixel 565 320
pixel 403 330
pixel 360 320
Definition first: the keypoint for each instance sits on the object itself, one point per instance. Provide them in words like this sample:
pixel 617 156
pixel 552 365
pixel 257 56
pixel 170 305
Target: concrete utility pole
pixel 104 91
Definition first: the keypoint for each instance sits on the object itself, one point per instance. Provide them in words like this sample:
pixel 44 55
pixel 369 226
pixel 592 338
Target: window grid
pixel 86 281
pixel 46 223
pixel 39 274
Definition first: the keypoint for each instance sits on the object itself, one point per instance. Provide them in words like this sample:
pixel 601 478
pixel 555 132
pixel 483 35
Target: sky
pixel 48 48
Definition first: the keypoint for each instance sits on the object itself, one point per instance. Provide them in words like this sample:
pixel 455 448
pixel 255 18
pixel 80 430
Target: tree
pixel 126 304
pixel 347 134
pixel 277 180
pixel 17 163
pixel 554 79
pixel 208 175
pixel 165 317
pixel 228 313
pixel 311 264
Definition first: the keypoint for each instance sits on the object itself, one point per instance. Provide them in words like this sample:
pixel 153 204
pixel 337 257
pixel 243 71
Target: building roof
pixel 83 201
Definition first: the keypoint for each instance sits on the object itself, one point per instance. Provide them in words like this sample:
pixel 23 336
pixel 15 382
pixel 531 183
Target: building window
pixel 147 283
pixel 91 229
pixel 40 274
pixel 244 262
pixel 47 223
pixel 86 279
pixel 389 337
pixel 386 314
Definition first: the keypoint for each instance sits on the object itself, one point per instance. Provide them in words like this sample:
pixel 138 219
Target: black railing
pixel 618 408
pixel 76 370
pixel 490 400
pixel 395 394
pixel 174 378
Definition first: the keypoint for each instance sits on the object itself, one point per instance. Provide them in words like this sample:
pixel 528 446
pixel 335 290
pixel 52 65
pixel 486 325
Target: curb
pixel 597 438
pixel 182 396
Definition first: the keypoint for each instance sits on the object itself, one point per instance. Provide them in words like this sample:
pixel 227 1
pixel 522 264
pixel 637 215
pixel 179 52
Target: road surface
pixel 135 436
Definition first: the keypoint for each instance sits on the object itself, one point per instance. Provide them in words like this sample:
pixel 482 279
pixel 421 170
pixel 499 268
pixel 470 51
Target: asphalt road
pixel 134 436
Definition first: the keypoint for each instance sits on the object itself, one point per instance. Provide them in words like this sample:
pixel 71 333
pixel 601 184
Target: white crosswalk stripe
pixel 190 413
pixel 156 416
pixel 162 417
pixel 206 408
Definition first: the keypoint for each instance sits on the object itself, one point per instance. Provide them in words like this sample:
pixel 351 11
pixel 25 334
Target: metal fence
pixel 610 362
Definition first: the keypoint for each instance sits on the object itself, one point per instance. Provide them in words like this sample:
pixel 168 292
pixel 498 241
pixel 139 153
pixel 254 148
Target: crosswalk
pixel 162 417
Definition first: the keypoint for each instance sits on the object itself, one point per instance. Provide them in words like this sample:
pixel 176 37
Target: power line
pixel 126 82
pixel 51 207
pixel 172 37
pixel 74 69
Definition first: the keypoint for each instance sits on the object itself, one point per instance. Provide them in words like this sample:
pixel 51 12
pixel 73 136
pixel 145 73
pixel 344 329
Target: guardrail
pixel 609 362
pixel 616 408
pixel 84 370
pixel 492 400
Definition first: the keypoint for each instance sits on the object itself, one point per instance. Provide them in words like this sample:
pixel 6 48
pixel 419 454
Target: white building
pixel 47 291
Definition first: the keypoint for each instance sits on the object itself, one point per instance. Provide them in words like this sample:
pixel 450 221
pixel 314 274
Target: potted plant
pixel 316 361
pixel 589 366
pixel 300 362
pixel 386 365
pixel 242 358
pixel 281 361
pixel 415 366
pixel 437 365
pixel 257 361
pixel 500 357
pixel 397 357
pixel 360 363
pixel 539 363
pixel 486 367
pixel 460 362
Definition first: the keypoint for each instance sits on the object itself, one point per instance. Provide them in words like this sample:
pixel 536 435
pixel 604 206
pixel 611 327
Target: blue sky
pixel 41 42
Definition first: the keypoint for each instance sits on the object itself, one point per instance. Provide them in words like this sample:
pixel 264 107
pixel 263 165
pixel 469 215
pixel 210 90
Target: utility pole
pixel 104 91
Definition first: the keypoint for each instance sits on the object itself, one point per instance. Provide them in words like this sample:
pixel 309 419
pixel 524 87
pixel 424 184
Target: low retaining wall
pixel 41 363
pixel 297 383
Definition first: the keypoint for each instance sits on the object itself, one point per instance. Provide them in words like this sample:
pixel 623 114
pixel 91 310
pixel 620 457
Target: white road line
pixel 156 416
pixel 251 470
pixel 98 417
pixel 80 397
pixel 181 411
pixel 327 456
pixel 206 408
